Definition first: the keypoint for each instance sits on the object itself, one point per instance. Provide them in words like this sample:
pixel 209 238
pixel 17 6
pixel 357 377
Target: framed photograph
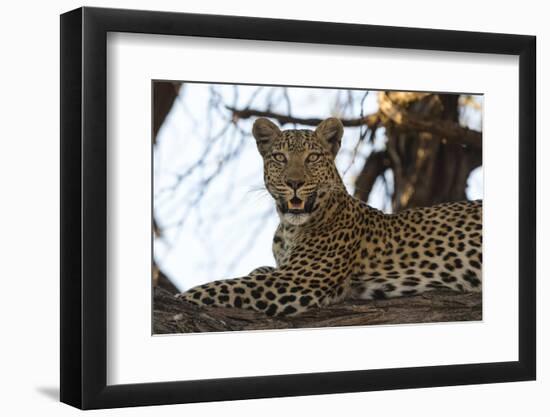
pixel 256 208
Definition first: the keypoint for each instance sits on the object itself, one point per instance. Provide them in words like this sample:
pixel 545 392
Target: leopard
pixel 330 246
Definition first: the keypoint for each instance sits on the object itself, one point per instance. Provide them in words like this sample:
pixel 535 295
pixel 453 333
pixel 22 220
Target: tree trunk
pixel 427 168
pixel 172 315
pixel 164 95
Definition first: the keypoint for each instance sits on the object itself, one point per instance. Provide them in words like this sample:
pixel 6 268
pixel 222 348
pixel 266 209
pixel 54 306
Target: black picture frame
pixel 84 207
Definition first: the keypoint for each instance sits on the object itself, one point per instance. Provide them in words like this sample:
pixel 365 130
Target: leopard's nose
pixel 294 184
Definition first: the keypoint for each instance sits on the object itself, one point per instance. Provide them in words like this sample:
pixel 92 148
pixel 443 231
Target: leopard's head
pixel 299 169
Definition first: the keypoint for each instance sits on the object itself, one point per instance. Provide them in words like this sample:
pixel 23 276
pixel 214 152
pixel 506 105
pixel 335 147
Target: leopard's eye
pixel 312 157
pixel 279 157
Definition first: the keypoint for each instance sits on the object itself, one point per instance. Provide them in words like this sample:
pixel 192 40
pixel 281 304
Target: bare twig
pixel 362 133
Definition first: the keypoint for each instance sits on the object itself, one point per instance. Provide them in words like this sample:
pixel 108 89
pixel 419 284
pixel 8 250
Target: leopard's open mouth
pixel 297 206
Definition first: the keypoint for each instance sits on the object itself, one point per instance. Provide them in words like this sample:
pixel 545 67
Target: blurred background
pixel 213 218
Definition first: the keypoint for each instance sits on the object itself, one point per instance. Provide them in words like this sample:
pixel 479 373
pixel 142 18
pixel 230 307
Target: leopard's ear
pixel 264 132
pixel 330 133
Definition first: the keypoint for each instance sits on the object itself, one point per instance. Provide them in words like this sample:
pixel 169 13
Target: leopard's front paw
pixel 191 296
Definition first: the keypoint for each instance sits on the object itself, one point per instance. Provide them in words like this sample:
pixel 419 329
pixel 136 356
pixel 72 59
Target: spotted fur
pixel 330 246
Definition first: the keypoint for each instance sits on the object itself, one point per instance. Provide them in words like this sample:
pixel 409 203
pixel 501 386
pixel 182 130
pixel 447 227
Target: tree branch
pixel 370 120
pixel 172 315
pixel 374 166
pixel 164 94
pixel 445 130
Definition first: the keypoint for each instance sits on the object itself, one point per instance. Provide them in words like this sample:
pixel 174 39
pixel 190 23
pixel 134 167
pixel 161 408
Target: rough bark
pixel 374 166
pixel 164 95
pixel 431 155
pixel 370 120
pixel 172 315
pixel 436 114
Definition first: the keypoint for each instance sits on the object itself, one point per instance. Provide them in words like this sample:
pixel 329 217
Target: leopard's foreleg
pixel 274 292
